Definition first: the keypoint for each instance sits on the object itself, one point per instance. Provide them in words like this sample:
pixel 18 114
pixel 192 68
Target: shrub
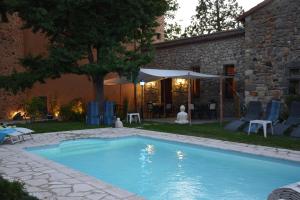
pixel 36 107
pixel 73 111
pixel 13 191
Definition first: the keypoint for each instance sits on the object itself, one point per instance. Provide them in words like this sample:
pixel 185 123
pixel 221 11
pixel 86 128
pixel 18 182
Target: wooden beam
pixel 221 101
pixel 189 102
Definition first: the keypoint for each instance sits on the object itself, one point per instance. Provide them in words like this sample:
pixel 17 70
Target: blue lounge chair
pixel 254 111
pixel 272 114
pixel 292 120
pixel 296 132
pixel 15 134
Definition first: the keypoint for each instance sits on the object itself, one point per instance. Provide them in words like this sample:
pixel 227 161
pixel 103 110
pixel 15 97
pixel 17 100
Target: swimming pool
pixel 163 170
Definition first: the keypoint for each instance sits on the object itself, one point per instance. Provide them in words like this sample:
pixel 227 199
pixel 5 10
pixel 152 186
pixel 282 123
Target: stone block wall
pixel 11 50
pixel 210 55
pixel 272 41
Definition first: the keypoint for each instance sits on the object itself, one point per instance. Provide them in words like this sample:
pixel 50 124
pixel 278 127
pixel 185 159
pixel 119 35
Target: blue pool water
pixel 162 170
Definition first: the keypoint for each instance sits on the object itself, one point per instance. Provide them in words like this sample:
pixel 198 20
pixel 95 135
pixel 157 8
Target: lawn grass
pixel 56 126
pixel 210 130
pixel 216 131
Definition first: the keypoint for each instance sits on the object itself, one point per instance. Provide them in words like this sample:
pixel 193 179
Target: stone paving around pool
pixel 49 180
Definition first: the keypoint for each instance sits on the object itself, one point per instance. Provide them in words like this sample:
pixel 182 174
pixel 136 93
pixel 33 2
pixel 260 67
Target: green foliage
pixel 73 111
pixel 173 31
pixel 13 191
pixel 94 31
pixel 36 107
pixel 3 11
pixel 213 16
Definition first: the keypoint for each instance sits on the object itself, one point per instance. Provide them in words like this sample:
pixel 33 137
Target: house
pixel 260 61
pixel 16 43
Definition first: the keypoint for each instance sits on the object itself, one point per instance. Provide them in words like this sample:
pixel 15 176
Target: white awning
pixel 148 75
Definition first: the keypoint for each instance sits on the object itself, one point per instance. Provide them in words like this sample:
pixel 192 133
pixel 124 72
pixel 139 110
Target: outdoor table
pixel 131 115
pixel 264 123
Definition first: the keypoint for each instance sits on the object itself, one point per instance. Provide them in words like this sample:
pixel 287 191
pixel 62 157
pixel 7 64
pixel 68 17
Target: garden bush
pixel 13 191
pixel 73 111
pixel 36 107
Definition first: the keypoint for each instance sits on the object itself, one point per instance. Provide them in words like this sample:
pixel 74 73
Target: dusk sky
pixel 187 9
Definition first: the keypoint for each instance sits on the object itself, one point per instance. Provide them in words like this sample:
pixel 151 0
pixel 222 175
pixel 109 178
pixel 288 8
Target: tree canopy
pixel 214 15
pixel 87 37
pixel 172 30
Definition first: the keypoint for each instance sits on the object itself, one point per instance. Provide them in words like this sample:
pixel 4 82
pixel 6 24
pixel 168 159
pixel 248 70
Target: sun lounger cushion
pixel 234 125
pixel 23 130
pixel 296 132
pixel 279 129
pixel 4 132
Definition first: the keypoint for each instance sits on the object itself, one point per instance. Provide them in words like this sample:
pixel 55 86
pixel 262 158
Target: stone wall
pixel 272 41
pixel 11 49
pixel 210 54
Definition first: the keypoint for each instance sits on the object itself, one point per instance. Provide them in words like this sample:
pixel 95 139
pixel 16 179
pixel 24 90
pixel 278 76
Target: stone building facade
pixel 265 55
pixel 272 49
pixel 209 54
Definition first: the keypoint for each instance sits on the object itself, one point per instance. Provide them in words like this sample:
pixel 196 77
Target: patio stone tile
pixel 36 182
pixel 61 191
pixel 96 196
pixel 81 187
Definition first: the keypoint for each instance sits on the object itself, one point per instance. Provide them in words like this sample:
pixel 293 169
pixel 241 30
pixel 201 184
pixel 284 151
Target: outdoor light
pixel 151 85
pixel 142 82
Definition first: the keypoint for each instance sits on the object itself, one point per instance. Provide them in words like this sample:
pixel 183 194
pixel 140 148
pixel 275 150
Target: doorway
pixel 166 95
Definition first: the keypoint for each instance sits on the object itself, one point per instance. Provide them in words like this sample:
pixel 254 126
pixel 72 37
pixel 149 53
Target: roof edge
pixel 201 38
pixel 254 9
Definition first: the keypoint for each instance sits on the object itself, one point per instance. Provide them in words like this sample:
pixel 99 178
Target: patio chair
pixel 292 120
pixel 272 114
pixel 212 109
pixel 253 112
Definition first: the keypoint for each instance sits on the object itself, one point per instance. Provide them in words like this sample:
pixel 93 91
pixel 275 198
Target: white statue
pixel 119 123
pixel 182 116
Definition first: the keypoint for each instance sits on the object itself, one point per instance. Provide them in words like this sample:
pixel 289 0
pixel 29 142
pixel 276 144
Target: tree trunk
pixel 98 82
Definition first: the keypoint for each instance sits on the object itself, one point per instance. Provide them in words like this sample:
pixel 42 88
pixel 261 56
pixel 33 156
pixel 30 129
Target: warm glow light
pixel 56 114
pixel 78 107
pixel 151 84
pixel 12 114
pixel 180 82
